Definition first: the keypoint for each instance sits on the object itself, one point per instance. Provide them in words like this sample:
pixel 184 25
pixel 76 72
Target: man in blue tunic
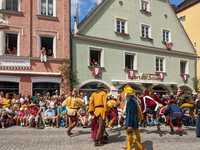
pixel 133 116
pixel 176 116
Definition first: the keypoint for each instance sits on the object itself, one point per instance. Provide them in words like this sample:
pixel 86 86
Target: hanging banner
pixel 168 45
pixel 131 74
pixel 96 72
pixel 185 77
pixel 161 76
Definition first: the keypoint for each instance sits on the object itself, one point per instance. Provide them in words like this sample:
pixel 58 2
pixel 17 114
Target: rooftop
pixel 185 4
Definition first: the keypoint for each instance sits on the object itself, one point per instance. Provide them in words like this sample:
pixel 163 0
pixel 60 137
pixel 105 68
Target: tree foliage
pixel 174 88
pixel 68 73
pixel 148 86
pixel 196 82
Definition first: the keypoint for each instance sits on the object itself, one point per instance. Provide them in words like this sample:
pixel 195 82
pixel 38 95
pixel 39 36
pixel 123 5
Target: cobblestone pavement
pixel 22 138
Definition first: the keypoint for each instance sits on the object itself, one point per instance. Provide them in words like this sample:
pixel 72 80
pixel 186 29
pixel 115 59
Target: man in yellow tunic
pixel 73 103
pixel 122 97
pixel 98 105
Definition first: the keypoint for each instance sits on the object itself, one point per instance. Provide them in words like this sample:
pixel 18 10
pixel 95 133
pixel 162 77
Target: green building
pixel 132 42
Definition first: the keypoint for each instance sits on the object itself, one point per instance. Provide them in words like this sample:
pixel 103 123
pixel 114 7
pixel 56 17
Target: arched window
pixel 160 89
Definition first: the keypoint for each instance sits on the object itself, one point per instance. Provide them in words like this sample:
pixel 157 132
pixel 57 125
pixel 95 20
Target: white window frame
pixel 96 49
pixel 164 63
pixel 3 5
pixel 3 37
pixel 54 8
pixel 54 43
pixel 170 34
pixel 148 5
pixel 126 24
pixel 187 66
pixel 146 25
pixel 135 59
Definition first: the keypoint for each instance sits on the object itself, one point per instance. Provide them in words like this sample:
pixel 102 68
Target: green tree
pixel 68 73
pixel 148 86
pixel 196 82
pixel 174 88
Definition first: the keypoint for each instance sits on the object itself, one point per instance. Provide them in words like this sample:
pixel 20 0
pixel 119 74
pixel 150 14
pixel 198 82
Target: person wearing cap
pixel 122 97
pixel 112 104
pixel 133 117
pixel 109 96
pixel 150 104
pixel 34 114
pixel 186 101
pixel 98 106
pixel 37 100
pixel 56 94
pixel 176 116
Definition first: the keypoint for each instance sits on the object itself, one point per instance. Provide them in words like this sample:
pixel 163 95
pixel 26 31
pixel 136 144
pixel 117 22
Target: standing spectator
pixel 34 114
pixel 109 96
pixel 43 55
pixel 56 94
pixel 51 102
pixel 22 98
pixel 37 100
pixel 166 98
pixel 42 104
pixel 61 113
pixel 2 115
pixel 62 98
pixel 15 102
pixel 27 97
pixel 58 103
pixel 6 101
pixel 22 116
pixel 49 116
pixel 47 97
pixel 35 95
pixel 1 96
pixel 120 115
pixel 16 117
pixel 198 117
pixel 9 114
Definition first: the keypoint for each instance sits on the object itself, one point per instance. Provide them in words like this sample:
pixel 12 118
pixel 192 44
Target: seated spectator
pixel 50 53
pixel 56 94
pixel 14 51
pixel 25 105
pixel 22 116
pixel 58 103
pixel 62 98
pixel 37 100
pixel 15 103
pixel 2 116
pixel 42 104
pixel 22 98
pixel 9 114
pixel 26 116
pixel 35 95
pixel 49 116
pixel 6 101
pixel 34 114
pixel 43 55
pixel 51 102
pixel 82 116
pixel 17 117
pixel 62 113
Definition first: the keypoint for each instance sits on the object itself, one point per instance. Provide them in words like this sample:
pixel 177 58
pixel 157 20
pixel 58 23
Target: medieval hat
pixel 128 90
pixel 100 85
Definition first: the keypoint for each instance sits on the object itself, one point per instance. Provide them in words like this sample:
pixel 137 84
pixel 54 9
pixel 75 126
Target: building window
pixel 12 5
pixel 144 5
pixel 160 64
pixel 182 19
pixel 95 58
pixel 121 26
pixel 47 7
pixel 129 61
pixel 145 31
pixel 183 67
pixel 11 41
pixel 49 43
pixel 166 36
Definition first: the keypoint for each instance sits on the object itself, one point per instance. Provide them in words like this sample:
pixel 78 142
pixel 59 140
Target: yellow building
pixel 188 13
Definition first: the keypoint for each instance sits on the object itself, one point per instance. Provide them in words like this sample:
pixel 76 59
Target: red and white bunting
pixel 161 76
pixel 185 77
pixel 131 74
pixel 96 72
pixel 168 45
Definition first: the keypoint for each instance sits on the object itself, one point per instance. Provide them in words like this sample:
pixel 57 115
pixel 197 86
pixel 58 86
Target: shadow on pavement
pixel 147 144
pixel 116 138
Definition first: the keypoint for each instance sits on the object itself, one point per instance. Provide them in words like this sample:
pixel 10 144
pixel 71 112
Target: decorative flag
pixel 185 77
pixel 96 72
pixel 168 45
pixel 131 74
pixel 161 76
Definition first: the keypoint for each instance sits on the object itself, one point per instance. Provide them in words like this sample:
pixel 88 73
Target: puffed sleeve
pixel 106 108
pixel 91 105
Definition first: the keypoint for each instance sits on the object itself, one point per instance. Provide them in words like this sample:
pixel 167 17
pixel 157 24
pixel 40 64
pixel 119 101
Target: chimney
pixel 75 25
pixel 99 2
pixel 77 13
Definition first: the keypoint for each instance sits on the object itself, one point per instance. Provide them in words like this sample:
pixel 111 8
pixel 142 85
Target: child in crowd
pixel 16 117
pixel 120 114
pixel 25 105
pixel 43 55
pixel 22 116
pixel 26 116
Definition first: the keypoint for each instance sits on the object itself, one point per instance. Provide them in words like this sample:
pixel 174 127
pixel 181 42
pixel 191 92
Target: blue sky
pixel 86 5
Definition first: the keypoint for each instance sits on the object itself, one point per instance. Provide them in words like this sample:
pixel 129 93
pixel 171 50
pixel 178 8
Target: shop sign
pixel 14 63
pixel 146 76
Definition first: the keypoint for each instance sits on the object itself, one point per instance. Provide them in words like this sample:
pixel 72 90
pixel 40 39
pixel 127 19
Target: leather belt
pixel 100 106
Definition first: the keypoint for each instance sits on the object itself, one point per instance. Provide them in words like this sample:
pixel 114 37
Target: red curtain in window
pixel 131 74
pixel 96 72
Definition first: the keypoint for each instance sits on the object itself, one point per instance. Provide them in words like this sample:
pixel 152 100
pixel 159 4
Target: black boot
pixel 158 127
pixel 172 132
pixel 180 133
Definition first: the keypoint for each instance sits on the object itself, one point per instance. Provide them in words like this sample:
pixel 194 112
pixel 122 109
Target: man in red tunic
pixel 150 105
